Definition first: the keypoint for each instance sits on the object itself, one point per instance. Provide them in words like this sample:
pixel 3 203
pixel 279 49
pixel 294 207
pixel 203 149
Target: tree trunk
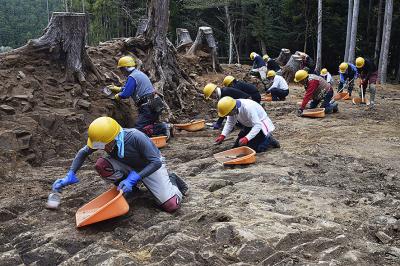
pixel 64 39
pixel 398 72
pixel 383 61
pixel 378 33
pixel 348 32
pixel 230 34
pixel 369 20
pixel 292 66
pixel 283 57
pixel 263 47
pixel 183 39
pixel 353 39
pixel 141 27
pixel 205 40
pixel 307 26
pixel 319 42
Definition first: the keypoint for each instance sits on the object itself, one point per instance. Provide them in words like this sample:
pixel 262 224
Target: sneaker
pixel 183 187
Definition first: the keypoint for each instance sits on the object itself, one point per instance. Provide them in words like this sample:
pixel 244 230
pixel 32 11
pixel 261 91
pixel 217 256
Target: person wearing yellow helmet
pixel 369 76
pixel 317 90
pixel 150 105
pixel 257 129
pixel 348 74
pixel 250 89
pixel 272 64
pixel 259 67
pixel 211 89
pixel 279 88
pixel 132 157
pixel 326 75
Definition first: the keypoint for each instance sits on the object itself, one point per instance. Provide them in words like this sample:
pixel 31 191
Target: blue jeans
pixel 326 102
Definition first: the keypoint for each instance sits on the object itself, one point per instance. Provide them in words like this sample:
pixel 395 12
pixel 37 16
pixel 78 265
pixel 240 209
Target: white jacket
pixel 251 114
pixel 280 83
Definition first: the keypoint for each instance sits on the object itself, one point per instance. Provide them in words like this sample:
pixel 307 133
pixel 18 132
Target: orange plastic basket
pixel 192 126
pixel 266 98
pixel 108 205
pixel 236 156
pixel 160 141
pixel 315 113
pixel 341 96
pixel 358 100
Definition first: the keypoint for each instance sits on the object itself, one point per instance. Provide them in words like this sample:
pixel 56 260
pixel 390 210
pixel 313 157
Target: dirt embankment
pixel 329 196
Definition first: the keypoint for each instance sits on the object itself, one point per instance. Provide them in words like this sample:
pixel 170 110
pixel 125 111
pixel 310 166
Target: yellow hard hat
pixel 102 131
pixel 300 75
pixel 225 106
pixel 360 62
pixel 265 57
pixel 324 72
pixel 209 89
pixel 228 80
pixel 252 55
pixel 343 67
pixel 126 61
pixel 271 73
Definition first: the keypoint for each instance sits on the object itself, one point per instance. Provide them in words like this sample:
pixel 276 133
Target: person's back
pixel 249 89
pixel 234 93
pixel 258 62
pixel 143 84
pixel 273 65
pixel 280 82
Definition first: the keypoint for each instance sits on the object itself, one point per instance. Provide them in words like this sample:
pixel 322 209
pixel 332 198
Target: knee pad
pixel 104 168
pixel 172 204
pixel 148 130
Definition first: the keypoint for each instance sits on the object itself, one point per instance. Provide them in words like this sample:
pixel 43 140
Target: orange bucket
pixel 315 113
pixel 358 100
pixel 160 141
pixel 192 126
pixel 341 96
pixel 108 205
pixel 236 156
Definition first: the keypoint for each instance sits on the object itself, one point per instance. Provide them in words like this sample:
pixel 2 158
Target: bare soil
pixel 329 196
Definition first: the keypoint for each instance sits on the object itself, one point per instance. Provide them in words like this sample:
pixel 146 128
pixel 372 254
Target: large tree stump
pixel 64 39
pixel 291 67
pixel 205 41
pixel 283 57
pixel 142 27
pixel 183 39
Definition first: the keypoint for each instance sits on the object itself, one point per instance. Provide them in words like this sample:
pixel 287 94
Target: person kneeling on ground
pixel 272 64
pixel 326 75
pixel 259 65
pixel 279 88
pixel 149 104
pixel 257 129
pixel 318 90
pixel 132 157
pixel 250 89
pixel 211 89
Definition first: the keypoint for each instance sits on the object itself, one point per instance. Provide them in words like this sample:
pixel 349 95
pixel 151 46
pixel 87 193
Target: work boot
pixel 274 142
pixel 183 187
pixel 170 131
pixel 335 107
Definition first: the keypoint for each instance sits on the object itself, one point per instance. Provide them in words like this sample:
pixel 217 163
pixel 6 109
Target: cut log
pixel 142 26
pixel 183 39
pixel 205 41
pixel 283 57
pixel 64 39
pixel 291 67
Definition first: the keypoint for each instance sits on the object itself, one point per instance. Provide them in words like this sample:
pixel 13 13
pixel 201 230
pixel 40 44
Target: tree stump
pixel 283 57
pixel 142 26
pixel 291 67
pixel 205 41
pixel 183 39
pixel 64 39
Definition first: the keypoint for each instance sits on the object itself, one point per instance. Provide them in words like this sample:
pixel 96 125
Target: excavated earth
pixel 329 196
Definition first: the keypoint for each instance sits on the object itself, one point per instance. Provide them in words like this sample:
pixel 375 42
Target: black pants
pixel 278 94
pixel 147 122
pixel 259 143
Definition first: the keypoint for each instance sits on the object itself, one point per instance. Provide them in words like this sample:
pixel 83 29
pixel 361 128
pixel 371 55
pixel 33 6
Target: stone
pixel 394 252
pixel 6 215
pixel 22 97
pixel 10 257
pixel 21 75
pixel 7 109
pixel 223 233
pixel 180 256
pixel 384 238
pixel 84 104
pixel 8 141
pixel 52 81
pixel 47 121
pixel 254 251
pixel 275 258
pixel 30 68
pixel 218 184
pixel 24 142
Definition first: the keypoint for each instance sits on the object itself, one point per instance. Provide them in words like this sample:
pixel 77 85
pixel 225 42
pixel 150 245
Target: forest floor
pixel 329 196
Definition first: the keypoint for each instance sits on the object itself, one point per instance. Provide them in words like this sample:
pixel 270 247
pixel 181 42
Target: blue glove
pixel 127 184
pixel 69 179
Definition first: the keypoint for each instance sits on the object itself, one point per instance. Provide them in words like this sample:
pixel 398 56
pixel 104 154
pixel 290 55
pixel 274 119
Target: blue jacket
pixel 351 73
pixel 137 85
pixel 258 62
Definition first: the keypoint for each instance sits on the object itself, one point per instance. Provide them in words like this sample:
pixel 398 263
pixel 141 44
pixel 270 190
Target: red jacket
pixel 316 89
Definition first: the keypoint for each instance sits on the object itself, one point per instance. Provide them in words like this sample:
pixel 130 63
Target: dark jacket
pixel 234 93
pixel 248 88
pixel 258 62
pixel 368 69
pixel 273 65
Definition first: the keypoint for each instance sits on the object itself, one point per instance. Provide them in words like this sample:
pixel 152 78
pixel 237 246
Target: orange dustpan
pixel 160 141
pixel 192 126
pixel 266 98
pixel 240 155
pixel 358 100
pixel 108 205
pixel 316 112
pixel 341 96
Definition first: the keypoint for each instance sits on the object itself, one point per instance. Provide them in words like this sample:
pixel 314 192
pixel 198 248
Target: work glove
pixel 243 141
pixel 220 139
pixel 300 112
pixel 127 184
pixel 114 89
pixel 216 125
pixel 69 179
pixel 117 97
